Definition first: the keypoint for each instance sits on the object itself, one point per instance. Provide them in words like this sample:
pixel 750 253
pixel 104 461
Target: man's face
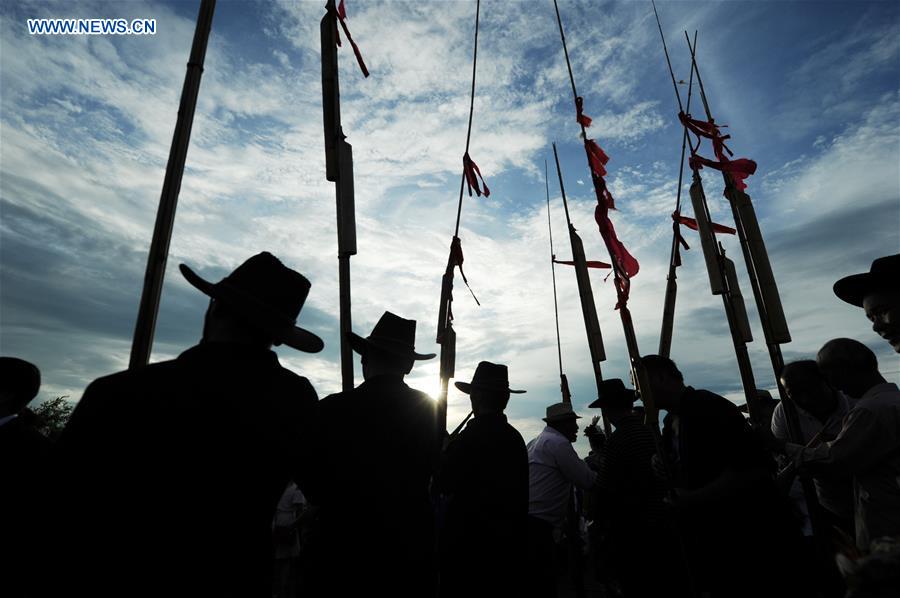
pixel 568 428
pixel 883 310
pixel 815 397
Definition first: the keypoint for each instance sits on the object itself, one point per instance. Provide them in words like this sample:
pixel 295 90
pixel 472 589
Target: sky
pixel 809 90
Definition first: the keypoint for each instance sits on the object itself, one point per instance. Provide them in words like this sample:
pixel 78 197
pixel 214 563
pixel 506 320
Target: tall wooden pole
pixel 563 381
pixel 339 169
pixel 142 343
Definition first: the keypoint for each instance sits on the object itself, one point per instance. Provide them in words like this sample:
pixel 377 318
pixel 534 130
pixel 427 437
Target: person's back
pixel 177 477
pixel 170 473
pixel 484 474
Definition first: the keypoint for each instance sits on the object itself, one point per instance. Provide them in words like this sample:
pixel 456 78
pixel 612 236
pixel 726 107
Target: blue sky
pixel 808 89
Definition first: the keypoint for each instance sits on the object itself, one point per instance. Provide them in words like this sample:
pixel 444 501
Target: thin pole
pixel 471 112
pixel 553 269
pixel 142 343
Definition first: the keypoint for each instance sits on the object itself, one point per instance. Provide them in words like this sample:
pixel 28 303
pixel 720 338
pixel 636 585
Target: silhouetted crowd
pixel 220 473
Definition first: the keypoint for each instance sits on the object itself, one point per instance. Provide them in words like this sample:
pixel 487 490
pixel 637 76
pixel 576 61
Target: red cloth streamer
pixel 456 260
pixel 582 118
pixel 341 14
pixel 473 173
pixel 628 266
pixel 739 169
pixel 590 263
pixel 692 224
pixel 596 157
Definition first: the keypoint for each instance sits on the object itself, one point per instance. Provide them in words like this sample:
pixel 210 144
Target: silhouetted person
pixel 23 454
pixel 632 496
pixel 878 293
pixel 554 469
pixel 821 410
pixel 484 475
pixel 376 521
pixel 868 445
pixel 737 529
pixel 172 471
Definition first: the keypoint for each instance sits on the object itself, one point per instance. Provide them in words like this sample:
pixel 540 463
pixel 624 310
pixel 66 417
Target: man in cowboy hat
pixel 171 472
pixel 554 468
pixel 376 523
pixel 484 475
pixel 878 293
pixel 631 496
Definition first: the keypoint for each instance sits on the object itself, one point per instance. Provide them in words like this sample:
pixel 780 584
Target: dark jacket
pixel 484 476
pixel 171 474
pixel 376 447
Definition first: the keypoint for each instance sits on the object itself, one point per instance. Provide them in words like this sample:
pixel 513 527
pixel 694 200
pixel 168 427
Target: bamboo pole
pixel 339 169
pixel 142 343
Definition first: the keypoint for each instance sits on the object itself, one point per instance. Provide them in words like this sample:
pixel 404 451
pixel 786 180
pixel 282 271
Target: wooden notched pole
pixel 339 169
pixel 563 381
pixel 142 343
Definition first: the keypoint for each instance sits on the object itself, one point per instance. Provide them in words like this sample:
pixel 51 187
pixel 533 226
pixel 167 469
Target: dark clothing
pixel 171 474
pixel 377 450
pixel 630 499
pixel 484 474
pixel 24 453
pixel 740 540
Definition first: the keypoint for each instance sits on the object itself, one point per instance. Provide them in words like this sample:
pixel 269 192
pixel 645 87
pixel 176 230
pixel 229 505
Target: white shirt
pixel 868 447
pixel 553 466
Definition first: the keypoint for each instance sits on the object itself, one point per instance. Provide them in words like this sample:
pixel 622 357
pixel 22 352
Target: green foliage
pixel 52 416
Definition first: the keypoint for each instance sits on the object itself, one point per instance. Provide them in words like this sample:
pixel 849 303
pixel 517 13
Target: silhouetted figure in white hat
pixel 172 471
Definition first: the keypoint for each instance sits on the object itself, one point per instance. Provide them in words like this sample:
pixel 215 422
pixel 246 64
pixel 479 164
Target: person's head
pixel 19 384
pixel 849 366
pixel 666 381
pixel 390 349
pixel 257 304
pixel 805 384
pixel 878 293
pixel 561 418
pixel 614 399
pixel 489 389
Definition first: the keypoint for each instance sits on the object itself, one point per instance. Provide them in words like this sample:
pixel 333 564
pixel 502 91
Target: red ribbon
pixel 596 157
pixel 692 224
pixel 582 118
pixel 589 263
pixel 739 169
pixel 472 174
pixel 456 260
pixel 628 266
pixel 342 16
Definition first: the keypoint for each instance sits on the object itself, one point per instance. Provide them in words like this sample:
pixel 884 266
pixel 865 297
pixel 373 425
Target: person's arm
pixel 862 442
pixel 572 467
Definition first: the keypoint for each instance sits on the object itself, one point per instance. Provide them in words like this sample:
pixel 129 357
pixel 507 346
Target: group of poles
pixel 721 270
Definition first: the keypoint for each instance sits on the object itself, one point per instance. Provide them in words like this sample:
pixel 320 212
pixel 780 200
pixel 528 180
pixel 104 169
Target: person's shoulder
pixel 297 384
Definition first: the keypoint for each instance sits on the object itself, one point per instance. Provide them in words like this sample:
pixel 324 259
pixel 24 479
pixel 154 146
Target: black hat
pixel 20 377
pixel 392 334
pixel 490 377
pixel 883 275
pixel 613 394
pixel 268 294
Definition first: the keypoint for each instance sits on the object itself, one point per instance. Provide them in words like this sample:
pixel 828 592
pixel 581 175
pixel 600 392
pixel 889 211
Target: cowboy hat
pixel 488 376
pixel 560 411
pixel 268 294
pixel 613 394
pixel 392 334
pixel 883 275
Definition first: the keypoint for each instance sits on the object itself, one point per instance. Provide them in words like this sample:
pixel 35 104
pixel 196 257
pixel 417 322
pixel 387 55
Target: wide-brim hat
pixel 613 393
pixel 490 377
pixel 883 275
pixel 268 295
pixel 560 411
pixel 393 335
